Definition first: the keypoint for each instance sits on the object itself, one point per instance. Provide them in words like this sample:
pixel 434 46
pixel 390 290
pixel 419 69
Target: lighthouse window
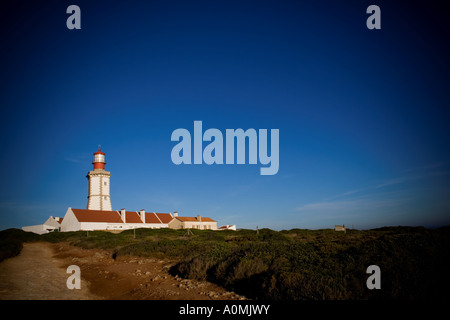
pixel 104 183
pixel 105 198
pixel 99 158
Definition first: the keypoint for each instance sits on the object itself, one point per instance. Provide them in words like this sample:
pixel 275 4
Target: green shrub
pixel 290 264
pixel 11 242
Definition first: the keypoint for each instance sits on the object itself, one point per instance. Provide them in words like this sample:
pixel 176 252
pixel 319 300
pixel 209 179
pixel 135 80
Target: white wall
pixel 39 229
pixel 98 190
pixel 94 185
pixel 106 203
pixel 202 225
pixel 154 225
pixel 105 187
pixel 88 226
pixel 51 222
pixel 70 222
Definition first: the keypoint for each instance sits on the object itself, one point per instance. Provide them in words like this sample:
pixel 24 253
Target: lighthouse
pixel 99 197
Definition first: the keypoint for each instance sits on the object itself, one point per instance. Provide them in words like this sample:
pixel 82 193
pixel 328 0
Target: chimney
pixel 122 214
pixel 199 218
pixel 175 214
pixel 143 215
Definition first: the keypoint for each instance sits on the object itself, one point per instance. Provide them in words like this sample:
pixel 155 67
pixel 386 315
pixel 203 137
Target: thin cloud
pixel 411 178
pixel 82 158
pixel 388 199
pixel 376 199
pixel 347 193
pixel 426 167
pixel 74 160
pixel 360 211
pixel 15 206
pixel 392 182
pixel 397 181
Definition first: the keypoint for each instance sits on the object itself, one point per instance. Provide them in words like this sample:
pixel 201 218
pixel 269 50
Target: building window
pixel 104 183
pixel 106 198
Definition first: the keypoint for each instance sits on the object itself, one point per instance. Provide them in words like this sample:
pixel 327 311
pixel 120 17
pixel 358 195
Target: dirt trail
pixel 36 274
pixel 39 272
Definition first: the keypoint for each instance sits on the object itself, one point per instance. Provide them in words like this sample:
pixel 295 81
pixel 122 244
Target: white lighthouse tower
pixel 99 197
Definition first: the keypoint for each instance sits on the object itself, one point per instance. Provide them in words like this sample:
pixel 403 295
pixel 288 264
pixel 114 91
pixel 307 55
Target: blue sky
pixel 362 114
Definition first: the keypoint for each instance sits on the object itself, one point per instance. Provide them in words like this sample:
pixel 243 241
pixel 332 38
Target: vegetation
pixel 11 241
pixel 289 264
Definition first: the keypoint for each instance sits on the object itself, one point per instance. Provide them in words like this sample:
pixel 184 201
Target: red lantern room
pixel 99 160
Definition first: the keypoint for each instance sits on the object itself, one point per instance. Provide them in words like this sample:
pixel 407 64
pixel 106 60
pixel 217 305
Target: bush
pixel 9 248
pixel 329 265
pixel 290 264
pixel 11 242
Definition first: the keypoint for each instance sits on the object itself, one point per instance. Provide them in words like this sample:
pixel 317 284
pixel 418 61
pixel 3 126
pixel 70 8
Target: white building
pixel 100 216
pixel 52 224
pixel 228 227
pixel 88 220
pixel 198 222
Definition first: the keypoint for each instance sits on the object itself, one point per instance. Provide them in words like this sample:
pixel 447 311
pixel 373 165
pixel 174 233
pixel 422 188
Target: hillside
pixel 289 264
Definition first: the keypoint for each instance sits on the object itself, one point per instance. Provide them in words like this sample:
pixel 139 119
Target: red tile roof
pixel 132 217
pixel 84 215
pixel 150 217
pixel 164 217
pixel 227 227
pixel 194 219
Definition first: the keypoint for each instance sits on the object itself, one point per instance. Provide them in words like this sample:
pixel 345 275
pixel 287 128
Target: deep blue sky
pixel 363 114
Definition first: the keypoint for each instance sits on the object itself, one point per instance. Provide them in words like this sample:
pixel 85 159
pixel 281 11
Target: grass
pixel 11 242
pixel 289 264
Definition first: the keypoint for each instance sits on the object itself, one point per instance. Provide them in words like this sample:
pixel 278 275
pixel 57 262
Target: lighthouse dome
pixel 99 160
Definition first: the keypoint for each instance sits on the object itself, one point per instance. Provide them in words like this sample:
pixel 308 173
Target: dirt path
pixel 39 272
pixel 36 274
pixel 129 277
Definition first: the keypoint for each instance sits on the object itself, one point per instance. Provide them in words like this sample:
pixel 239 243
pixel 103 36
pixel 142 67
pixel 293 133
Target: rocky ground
pixel 36 274
pixel 39 272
